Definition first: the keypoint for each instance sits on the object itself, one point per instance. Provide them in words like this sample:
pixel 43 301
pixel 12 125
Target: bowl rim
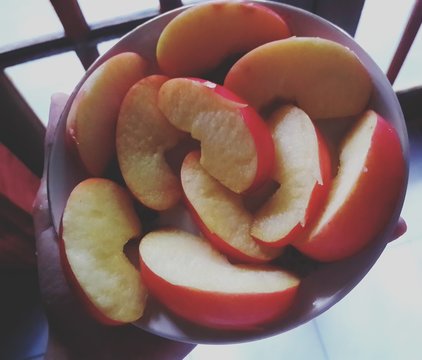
pixel 379 245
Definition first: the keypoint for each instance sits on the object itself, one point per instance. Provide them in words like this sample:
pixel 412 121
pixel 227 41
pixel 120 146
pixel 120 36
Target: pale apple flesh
pixel 201 38
pixel 192 279
pixel 92 118
pixel 240 161
pixel 236 145
pixel 364 193
pixel 322 77
pixel 98 220
pixel 221 215
pixel 303 170
pixel 143 135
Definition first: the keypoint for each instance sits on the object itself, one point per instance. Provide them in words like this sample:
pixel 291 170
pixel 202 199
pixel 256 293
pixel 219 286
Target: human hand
pixel 72 333
pixel 400 229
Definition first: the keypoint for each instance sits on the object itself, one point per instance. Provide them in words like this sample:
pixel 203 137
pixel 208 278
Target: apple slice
pixel 236 145
pixel 322 77
pixel 143 135
pixel 98 220
pixel 192 279
pixel 364 193
pixel 202 37
pixel 91 122
pixel 221 215
pixel 303 170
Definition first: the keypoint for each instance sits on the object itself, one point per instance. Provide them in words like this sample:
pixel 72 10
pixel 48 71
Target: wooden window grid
pixel 21 130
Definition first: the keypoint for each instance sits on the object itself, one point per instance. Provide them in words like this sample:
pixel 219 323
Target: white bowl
pixel 325 285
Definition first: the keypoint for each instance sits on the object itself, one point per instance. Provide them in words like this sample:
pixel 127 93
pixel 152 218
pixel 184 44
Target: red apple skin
pixel 320 193
pixel 317 200
pixel 87 304
pixel 216 310
pixel 258 129
pixel 233 254
pixel 335 85
pixel 133 68
pixel 201 46
pixel 83 294
pixel 360 220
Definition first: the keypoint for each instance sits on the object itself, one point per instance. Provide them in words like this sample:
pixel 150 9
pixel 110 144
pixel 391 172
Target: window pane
pixel 189 2
pixel 25 19
pixel 106 45
pixel 94 11
pixel 410 74
pixel 380 28
pixel 38 80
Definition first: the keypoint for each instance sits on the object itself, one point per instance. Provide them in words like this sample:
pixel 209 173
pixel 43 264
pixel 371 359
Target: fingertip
pixel 400 229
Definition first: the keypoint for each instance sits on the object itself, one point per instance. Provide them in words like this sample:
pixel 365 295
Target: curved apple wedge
pixel 322 77
pixel 98 220
pixel 303 170
pixel 236 145
pixel 364 193
pixel 93 115
pixel 143 135
pixel 192 279
pixel 201 38
pixel 221 215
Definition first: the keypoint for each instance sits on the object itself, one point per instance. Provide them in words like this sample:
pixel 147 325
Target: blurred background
pixel 45 47
pixel 27 22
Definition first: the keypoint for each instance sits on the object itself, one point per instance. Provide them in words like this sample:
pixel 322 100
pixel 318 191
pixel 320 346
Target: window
pixel 46 53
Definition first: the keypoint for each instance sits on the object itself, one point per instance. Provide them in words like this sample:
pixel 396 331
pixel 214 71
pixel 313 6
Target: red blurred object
pixel 18 188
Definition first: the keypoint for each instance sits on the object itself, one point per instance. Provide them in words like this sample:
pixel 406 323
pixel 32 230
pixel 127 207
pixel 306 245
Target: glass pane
pixel 37 80
pixel 380 28
pixel 410 74
pixel 95 11
pixel 188 2
pixel 25 19
pixel 106 45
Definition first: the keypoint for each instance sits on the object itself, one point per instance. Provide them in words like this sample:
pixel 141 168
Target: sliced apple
pixel 364 193
pixel 322 77
pixel 143 135
pixel 92 118
pixel 98 220
pixel 202 37
pixel 303 170
pixel 236 145
pixel 193 280
pixel 221 215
